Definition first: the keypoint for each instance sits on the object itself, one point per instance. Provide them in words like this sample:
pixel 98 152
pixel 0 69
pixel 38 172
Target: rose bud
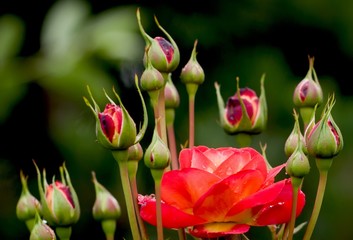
pixel 157 155
pixel 292 140
pixel 152 81
pixel 59 200
pixel 27 205
pixel 192 72
pixel 163 54
pixel 325 140
pixel 115 129
pixel 172 100
pixel 308 92
pixel 298 164
pixel 244 112
pixel 41 231
pixel 105 206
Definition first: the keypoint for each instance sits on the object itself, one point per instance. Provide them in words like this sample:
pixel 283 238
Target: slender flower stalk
pixel 324 142
pixel 297 168
pixel 192 75
pixel 296 184
pixel 64 233
pixel 172 101
pixel 121 156
pixel 135 154
pixel 318 200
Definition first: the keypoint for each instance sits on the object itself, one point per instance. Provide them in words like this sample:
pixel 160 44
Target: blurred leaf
pixel 11 36
pixel 61 26
pixel 114 35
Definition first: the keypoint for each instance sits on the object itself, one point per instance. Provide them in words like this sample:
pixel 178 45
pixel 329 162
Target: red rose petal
pixel 257 199
pixel 279 210
pixel 182 188
pixel 215 204
pixel 171 216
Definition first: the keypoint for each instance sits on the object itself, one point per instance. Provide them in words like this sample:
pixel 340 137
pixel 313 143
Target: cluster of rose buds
pixel 205 192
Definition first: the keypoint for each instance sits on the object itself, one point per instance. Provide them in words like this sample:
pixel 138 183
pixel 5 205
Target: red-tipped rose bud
pixel 27 205
pixel 157 155
pixel 163 54
pixel 292 140
pixel 244 112
pixel 59 200
pixel 325 140
pixel 308 94
pixel 41 231
pixel 115 129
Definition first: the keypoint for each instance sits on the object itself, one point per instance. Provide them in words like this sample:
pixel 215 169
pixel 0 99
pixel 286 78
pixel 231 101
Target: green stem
pixel 172 147
pixel 132 168
pixel 64 233
pixel 243 139
pixel 161 111
pixel 181 234
pixel 296 183
pixel 121 156
pixel 191 120
pixel 319 198
pixel 157 176
pixel 109 227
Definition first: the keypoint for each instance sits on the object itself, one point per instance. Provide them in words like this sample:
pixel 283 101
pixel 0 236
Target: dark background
pixel 50 51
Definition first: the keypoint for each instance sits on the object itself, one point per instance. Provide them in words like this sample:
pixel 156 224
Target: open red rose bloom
pixel 220 192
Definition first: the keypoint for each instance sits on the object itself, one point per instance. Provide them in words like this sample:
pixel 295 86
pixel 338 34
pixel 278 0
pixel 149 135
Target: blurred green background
pixel 51 50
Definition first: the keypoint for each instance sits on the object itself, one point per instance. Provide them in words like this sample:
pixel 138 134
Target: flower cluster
pixel 201 191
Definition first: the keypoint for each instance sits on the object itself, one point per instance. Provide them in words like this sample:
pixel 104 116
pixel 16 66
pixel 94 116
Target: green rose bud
pixel 325 140
pixel 292 140
pixel 192 72
pixel 27 205
pixel 105 206
pixel 60 206
pixel 298 163
pixel 41 231
pixel 157 155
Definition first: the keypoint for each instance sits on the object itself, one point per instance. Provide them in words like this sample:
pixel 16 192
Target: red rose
pixel 221 191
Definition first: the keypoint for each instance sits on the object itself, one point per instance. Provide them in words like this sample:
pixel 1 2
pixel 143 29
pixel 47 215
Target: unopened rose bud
pixel 172 100
pixel 163 54
pixel 192 72
pixel 27 205
pixel 151 79
pixel 298 163
pixel 292 140
pixel 135 152
pixel 325 140
pixel 115 129
pixel 157 155
pixel 41 231
pixel 308 92
pixel 244 112
pixel 105 205
pixel 60 204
